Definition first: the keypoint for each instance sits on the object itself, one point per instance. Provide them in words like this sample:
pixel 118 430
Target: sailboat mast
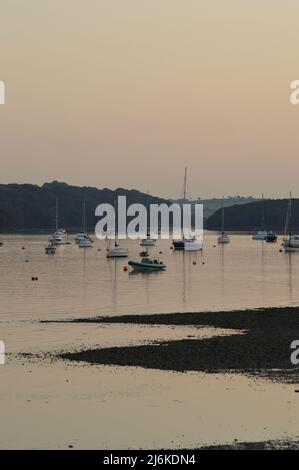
pixel 222 216
pixel 290 216
pixel 287 227
pixel 185 184
pixel 263 213
pixel 84 217
pixel 116 221
pixel 147 207
pixel 56 214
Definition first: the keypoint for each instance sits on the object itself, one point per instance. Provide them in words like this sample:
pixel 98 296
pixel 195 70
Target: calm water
pixel 82 282
pixel 90 407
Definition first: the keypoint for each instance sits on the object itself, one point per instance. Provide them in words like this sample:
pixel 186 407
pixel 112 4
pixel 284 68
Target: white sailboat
pixel 261 234
pixel 223 237
pixel 148 241
pixel 116 251
pixel 290 242
pixel 82 239
pixel 187 243
pixel 59 237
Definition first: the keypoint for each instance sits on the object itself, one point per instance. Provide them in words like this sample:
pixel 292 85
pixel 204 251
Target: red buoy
pixel 194 263
pixel 125 268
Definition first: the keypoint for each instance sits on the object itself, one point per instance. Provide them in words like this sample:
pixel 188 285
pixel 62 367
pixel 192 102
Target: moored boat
pixel 260 235
pixel 50 249
pixel 222 237
pixel 85 243
pixel 82 236
pixel 191 242
pixel 148 241
pixel 271 237
pixel 187 244
pixel 117 252
pixel 59 237
pixel 290 242
pixel 147 264
pixel 82 239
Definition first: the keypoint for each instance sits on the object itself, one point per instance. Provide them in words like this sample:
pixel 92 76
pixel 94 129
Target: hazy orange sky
pixel 126 93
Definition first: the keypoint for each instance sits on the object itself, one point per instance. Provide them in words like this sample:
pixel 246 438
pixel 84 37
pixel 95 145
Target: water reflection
pixel 288 257
pixel 76 282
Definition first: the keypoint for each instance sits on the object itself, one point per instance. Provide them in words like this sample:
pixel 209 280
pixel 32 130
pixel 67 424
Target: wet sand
pixel 97 404
pixel 262 349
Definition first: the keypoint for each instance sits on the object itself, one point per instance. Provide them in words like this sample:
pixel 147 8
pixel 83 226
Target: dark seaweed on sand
pixel 262 349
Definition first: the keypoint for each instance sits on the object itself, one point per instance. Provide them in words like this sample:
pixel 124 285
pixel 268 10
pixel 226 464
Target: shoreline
pixel 262 349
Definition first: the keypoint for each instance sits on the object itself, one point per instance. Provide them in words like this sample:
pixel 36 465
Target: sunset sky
pixel 112 93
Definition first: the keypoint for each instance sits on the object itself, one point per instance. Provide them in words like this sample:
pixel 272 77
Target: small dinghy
pixel 147 264
pixel 144 254
pixel 50 249
pixel 271 237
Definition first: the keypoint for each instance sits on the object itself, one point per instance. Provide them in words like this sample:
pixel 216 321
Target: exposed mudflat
pixel 263 348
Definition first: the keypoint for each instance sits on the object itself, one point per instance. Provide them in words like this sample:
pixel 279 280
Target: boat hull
pixel 259 236
pixel 84 245
pixel 223 241
pixel 291 244
pixel 289 249
pixel 186 245
pixel 148 242
pixel 115 253
pixel 272 238
pixel 136 266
